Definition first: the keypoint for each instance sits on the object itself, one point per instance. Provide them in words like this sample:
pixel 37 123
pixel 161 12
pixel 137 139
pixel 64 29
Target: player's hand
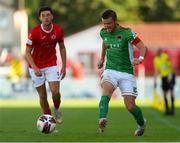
pixel 137 61
pixel 100 64
pixel 37 71
pixel 63 73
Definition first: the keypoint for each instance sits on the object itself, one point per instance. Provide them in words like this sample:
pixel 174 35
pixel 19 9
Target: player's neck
pixel 115 28
pixel 47 28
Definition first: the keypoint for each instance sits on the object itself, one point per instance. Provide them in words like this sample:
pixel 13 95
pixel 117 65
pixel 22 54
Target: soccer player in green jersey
pixel 117 49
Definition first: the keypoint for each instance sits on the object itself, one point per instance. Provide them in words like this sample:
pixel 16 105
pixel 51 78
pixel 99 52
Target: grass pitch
pixel 18 124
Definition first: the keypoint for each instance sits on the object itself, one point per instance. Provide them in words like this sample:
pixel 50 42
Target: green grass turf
pixel 80 125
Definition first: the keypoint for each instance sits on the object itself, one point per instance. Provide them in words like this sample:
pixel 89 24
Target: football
pixel 46 124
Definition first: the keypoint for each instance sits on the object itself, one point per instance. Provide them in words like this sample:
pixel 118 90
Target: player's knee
pixel 56 93
pixel 107 89
pixel 130 107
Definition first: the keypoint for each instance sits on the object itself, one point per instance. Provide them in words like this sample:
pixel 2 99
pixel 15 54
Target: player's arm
pixel 102 59
pixel 63 58
pixel 31 61
pixel 142 48
pixel 29 47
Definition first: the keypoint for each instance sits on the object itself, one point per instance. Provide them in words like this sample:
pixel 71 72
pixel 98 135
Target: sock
pixel 138 116
pixel 103 106
pixel 48 111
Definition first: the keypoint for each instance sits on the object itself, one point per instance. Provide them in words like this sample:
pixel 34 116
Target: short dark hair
pixel 45 8
pixel 109 13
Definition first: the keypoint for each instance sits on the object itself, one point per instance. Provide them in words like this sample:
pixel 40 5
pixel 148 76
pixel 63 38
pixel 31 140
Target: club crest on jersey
pixel 53 36
pixel 119 37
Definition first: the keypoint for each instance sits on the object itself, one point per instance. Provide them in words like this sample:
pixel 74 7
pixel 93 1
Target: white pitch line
pixel 165 121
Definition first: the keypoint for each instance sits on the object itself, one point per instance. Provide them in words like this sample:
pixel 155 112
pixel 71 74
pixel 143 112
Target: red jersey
pixel 43 44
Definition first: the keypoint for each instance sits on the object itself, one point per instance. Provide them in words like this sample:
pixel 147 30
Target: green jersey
pixel 119 54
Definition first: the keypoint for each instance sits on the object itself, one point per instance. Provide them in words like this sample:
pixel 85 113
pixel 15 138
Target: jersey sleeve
pixel 101 33
pixel 31 39
pixel 130 35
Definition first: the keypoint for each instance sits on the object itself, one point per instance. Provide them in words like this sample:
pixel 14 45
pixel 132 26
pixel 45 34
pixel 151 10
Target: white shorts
pixel 125 81
pixel 50 74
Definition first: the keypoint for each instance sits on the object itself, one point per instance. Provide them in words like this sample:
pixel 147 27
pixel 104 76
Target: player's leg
pixel 128 89
pixel 56 96
pixel 43 99
pixel 39 84
pixel 133 109
pixel 172 112
pixel 166 102
pixel 108 86
pixel 172 94
pixel 165 88
pixel 129 101
pixel 107 90
pixel 53 78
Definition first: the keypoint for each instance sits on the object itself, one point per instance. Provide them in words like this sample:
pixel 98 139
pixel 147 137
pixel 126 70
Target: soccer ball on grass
pixel 46 124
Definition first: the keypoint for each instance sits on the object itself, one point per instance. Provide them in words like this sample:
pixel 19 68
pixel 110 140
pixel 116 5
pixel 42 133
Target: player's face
pixel 109 24
pixel 46 17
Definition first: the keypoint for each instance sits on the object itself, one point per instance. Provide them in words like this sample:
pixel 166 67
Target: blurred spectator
pixel 163 67
pixel 77 71
pixel 5 57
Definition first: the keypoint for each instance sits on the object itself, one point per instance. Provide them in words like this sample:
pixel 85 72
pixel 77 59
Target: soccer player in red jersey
pixel 41 56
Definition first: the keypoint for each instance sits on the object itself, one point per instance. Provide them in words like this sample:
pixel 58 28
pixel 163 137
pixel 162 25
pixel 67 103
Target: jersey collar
pixel 46 30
